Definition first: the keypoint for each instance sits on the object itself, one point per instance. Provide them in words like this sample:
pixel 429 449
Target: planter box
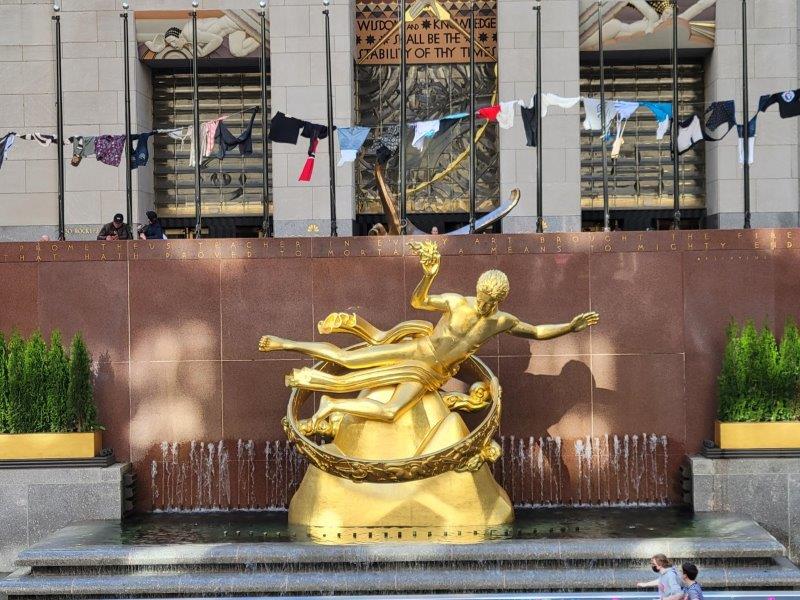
pixel 750 436
pixel 31 446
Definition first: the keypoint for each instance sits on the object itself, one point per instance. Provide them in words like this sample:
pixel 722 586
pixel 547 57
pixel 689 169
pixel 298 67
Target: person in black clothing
pixel 153 230
pixel 116 230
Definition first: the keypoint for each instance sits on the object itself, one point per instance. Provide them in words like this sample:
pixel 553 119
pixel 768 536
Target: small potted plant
pixel 47 408
pixel 759 389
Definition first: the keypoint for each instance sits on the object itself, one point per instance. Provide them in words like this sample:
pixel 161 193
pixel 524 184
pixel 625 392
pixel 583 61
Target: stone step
pixel 350 579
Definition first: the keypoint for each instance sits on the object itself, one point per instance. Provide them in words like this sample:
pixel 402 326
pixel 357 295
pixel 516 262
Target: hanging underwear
pixel 388 144
pixel 285 130
pixel 140 155
pixel 350 141
pixel 788 103
pixel 315 133
pixel 82 146
pixel 662 111
pixel 719 114
pixel 489 112
pixel 505 118
pixel 690 133
pixel 5 146
pixel 549 100
pixel 244 141
pixel 529 122
pixel 109 148
pixel 424 130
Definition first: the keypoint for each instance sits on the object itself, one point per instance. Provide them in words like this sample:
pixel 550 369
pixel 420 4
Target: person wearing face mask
pixel 668 582
pixel 691 588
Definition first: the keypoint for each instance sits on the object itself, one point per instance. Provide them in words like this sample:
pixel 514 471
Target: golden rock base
pixel 451 499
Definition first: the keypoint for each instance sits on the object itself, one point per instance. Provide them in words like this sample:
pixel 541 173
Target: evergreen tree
pixel 80 396
pixel 788 407
pixel 35 385
pixel 57 385
pixel 15 366
pixel 3 386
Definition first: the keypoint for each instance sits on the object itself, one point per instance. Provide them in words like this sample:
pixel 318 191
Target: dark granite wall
pixel 174 325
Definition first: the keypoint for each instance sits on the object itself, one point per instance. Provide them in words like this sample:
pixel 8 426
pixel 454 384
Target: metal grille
pixel 230 187
pixel 642 175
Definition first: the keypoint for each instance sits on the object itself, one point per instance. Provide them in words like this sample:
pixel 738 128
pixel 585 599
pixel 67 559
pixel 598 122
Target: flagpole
pixel 606 211
pixel 537 6
pixel 329 83
pixel 198 227
pixel 473 170
pixel 403 125
pixel 265 222
pixel 127 75
pixel 59 124
pixel 676 164
pixel 746 118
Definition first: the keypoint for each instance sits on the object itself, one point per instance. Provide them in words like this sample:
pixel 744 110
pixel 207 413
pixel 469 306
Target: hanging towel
pixel 5 146
pixel 350 141
pixel 424 130
pixel 529 122
pixel 388 144
pixel 554 100
pixel 285 130
pixel 662 111
pixel 489 112
pixel 315 133
pixel 505 118
pixel 108 149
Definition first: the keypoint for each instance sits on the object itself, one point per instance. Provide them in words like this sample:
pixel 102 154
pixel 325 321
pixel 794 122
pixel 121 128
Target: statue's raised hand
pixel 429 256
pixel 584 320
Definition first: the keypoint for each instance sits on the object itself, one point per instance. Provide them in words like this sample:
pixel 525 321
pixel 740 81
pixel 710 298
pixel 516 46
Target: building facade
pixel 365 56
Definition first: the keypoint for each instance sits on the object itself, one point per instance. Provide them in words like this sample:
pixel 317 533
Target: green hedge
pixel 760 380
pixel 42 389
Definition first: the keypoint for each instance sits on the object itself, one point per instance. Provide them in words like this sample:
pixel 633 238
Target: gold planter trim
pixel 754 436
pixel 32 446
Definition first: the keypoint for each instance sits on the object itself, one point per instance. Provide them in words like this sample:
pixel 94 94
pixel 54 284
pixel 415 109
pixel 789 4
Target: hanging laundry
pixel 285 130
pixel 82 146
pixel 108 149
pixel 788 103
pixel 140 155
pixel 751 138
pixel 388 144
pixel 489 112
pixel 624 108
pixel 592 121
pixel 721 113
pixel 662 111
pixel 5 146
pixel 350 141
pixel 227 141
pixel 315 133
pixel 43 139
pixel 549 100
pixel 529 122
pixel 690 133
pixel 424 130
pixel 209 129
pixel 461 115
pixel 505 118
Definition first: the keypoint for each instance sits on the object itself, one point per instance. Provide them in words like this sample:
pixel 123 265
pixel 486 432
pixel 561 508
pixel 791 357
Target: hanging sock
pixel 350 141
pixel 108 149
pixel 662 111
pixel 388 144
pixel 505 118
pixel 285 130
pixel 529 121
pixel 315 133
pixel 549 100
pixel 5 146
pixel 424 130
pixel 489 112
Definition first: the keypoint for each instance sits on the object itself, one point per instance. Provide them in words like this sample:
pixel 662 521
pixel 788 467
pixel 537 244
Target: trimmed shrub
pixel 80 402
pixel 3 386
pixel 57 385
pixel 35 385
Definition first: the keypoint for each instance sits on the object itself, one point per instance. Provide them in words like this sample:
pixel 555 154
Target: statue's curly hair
pixel 495 284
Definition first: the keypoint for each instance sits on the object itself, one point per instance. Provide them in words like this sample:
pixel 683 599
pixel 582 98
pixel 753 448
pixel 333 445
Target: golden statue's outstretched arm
pixel 548 332
pixel 430 259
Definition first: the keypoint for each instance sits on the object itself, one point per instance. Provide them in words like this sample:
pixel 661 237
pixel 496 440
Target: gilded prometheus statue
pixel 390 421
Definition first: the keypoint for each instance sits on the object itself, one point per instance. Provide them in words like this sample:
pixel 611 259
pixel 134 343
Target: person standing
pixel 668 582
pixel 691 588
pixel 153 230
pixel 116 230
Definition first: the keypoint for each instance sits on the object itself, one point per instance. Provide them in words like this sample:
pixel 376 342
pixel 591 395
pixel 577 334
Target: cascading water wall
pixel 610 469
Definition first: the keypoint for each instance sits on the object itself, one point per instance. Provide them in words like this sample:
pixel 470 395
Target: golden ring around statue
pixel 468 454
